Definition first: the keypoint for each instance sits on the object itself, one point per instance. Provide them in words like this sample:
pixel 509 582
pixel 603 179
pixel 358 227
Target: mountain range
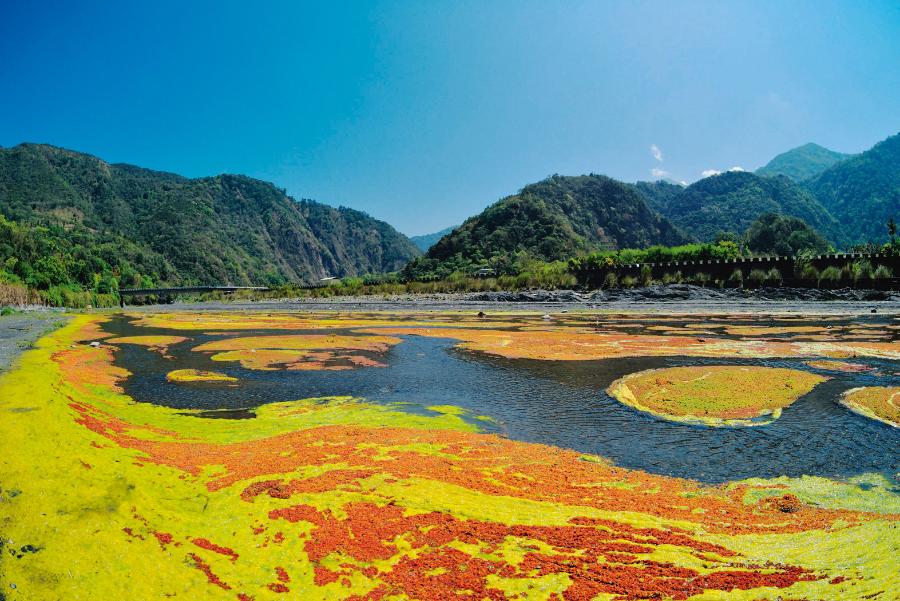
pixel 224 229
pixel 731 201
pixel 68 218
pixel 846 198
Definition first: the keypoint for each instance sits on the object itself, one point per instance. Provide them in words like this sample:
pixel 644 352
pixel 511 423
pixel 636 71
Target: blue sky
pixel 423 113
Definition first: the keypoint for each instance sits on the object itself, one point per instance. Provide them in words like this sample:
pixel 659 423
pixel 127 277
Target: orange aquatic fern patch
pixel 484 463
pixel 298 360
pixel 598 556
pixel 300 352
pixel 300 342
pixel 156 343
pixel 748 330
pixel 207 570
pixel 566 344
pixel 85 366
pixel 255 320
pixel 210 546
pixel 842 366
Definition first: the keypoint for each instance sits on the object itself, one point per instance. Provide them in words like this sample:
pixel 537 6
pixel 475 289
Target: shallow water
pixel 560 403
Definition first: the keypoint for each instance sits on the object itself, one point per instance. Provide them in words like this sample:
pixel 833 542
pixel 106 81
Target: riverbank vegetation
pixel 617 271
pixel 50 265
pixel 61 267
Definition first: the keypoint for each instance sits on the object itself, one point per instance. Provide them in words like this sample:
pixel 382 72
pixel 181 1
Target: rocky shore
pixel 687 292
pixel 18 332
pixel 673 298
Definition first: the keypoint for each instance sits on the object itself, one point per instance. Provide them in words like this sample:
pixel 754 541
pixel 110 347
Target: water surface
pixel 560 403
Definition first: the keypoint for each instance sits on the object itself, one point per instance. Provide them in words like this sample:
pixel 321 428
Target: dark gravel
pixel 673 298
pixel 18 332
pixel 683 292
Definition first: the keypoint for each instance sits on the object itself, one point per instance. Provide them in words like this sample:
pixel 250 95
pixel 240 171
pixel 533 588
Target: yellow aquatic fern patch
pixel 841 366
pixel 714 395
pixel 773 330
pixel 880 403
pixel 149 341
pixel 197 375
pixel 158 343
pixel 579 344
pixel 241 321
pixel 301 352
pixel 300 342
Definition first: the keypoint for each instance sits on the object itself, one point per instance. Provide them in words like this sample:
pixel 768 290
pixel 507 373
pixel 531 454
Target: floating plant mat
pixel 109 484
pixel 342 497
pixel 551 401
pixel 715 395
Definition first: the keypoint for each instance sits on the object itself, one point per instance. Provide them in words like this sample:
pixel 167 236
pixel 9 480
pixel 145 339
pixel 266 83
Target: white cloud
pixel 658 173
pixel 710 172
pixel 656 152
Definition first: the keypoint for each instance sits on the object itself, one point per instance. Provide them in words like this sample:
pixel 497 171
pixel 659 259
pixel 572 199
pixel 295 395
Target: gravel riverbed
pixel 676 298
pixel 18 331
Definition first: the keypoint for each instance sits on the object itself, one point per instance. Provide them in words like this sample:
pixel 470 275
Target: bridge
pixel 123 292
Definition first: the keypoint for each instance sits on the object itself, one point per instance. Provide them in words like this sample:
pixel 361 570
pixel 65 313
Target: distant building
pixel 484 272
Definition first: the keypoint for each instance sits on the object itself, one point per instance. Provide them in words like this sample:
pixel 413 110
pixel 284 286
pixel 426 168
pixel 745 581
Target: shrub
pixel 846 273
pixel 757 276
pixel 646 275
pixel 774 277
pixel 701 279
pixel 882 272
pixel 737 277
pixel 809 272
pixel 830 275
pixel 861 270
pixel 724 249
pixel 610 281
pixel 15 294
pixel 673 278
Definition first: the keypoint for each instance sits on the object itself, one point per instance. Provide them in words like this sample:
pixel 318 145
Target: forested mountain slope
pixel 731 201
pixel 863 192
pixel 556 218
pixel 175 230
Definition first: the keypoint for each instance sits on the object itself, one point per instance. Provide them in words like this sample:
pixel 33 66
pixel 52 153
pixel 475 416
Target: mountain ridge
pixel 863 190
pixel 219 229
pixel 426 241
pixel 731 201
pixel 556 218
pixel 803 162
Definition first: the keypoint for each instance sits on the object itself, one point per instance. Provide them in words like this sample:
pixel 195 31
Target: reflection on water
pixel 561 403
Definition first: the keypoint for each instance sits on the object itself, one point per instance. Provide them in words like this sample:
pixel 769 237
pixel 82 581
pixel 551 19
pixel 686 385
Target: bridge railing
pixel 185 290
pixel 722 269
pixel 170 292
